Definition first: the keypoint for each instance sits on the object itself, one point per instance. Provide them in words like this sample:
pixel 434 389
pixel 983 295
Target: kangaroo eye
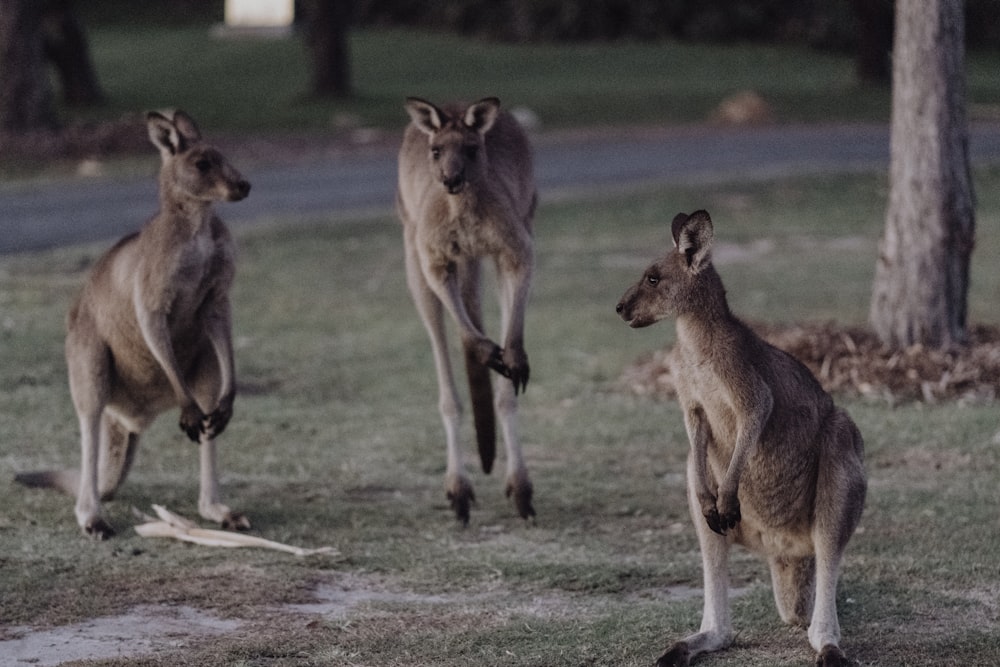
pixel 653 281
pixel 435 152
pixel 203 165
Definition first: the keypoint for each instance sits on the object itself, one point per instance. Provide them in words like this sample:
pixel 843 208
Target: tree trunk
pixel 922 274
pixel 326 35
pixel 25 93
pixel 871 62
pixel 66 47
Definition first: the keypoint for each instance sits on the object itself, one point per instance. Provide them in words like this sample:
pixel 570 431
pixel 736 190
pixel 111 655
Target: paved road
pixel 37 216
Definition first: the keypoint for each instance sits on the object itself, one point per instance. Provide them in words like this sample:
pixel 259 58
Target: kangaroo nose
pixel 242 189
pixel 454 183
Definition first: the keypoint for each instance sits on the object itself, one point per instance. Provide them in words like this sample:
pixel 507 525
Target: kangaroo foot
pixel 520 490
pixel 461 497
pixel 222 515
pixel 99 529
pixel 832 656
pixel 677 655
pixel 235 521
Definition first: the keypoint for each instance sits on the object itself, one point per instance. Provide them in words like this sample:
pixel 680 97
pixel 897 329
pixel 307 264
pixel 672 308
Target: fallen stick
pixel 180 528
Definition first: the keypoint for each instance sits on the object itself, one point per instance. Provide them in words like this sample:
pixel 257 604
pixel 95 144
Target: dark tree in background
pixel 922 274
pixel 25 93
pixel 66 48
pixel 32 32
pixel 874 40
pixel 327 23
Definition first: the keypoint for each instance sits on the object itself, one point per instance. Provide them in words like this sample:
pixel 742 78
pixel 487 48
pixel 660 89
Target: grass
pixel 257 85
pixel 336 440
pixel 261 85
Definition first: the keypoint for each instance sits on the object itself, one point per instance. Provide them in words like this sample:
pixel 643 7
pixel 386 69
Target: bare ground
pixel 851 360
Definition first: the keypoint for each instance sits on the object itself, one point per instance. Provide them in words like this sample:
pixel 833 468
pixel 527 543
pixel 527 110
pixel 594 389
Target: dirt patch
pixel 851 360
pixel 149 629
pixel 161 631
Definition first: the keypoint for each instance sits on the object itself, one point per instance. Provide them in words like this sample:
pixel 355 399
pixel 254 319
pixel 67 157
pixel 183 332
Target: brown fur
pixel 466 193
pixel 774 464
pixel 151 330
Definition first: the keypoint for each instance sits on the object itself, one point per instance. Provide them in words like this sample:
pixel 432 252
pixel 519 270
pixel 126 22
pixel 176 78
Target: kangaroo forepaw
pixel 521 491
pixel 677 655
pixel 832 656
pixel 98 529
pixel 192 422
pixel 215 423
pixel 518 370
pixel 461 497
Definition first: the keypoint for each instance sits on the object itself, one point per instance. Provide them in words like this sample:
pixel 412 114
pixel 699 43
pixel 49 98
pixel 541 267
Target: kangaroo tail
pixel 66 481
pixel 481 394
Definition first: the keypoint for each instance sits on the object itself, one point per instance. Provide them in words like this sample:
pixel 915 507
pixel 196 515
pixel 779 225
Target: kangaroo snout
pixel 622 308
pixel 240 190
pixel 454 184
pixel 628 311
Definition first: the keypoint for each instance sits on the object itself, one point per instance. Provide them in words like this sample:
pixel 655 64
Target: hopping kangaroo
pixel 774 465
pixel 467 193
pixel 151 330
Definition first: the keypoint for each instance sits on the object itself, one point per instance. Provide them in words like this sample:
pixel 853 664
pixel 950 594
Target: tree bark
pixel 25 93
pixel 66 47
pixel 922 273
pixel 871 62
pixel 327 23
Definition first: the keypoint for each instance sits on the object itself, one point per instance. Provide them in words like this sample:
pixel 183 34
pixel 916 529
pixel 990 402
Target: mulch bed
pixel 123 136
pixel 850 360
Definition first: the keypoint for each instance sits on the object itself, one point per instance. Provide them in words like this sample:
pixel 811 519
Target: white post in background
pixel 271 17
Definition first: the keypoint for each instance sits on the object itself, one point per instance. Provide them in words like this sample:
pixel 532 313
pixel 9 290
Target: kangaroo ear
pixel 693 238
pixel 425 116
pixel 481 115
pixel 186 127
pixel 164 135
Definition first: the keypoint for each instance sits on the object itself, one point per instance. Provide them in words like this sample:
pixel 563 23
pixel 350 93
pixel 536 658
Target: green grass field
pixel 256 85
pixel 336 441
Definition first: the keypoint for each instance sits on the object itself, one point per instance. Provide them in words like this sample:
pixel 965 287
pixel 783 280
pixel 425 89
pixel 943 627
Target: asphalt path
pixel 38 215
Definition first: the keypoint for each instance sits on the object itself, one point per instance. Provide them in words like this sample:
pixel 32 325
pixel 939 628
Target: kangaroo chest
pixel 463 233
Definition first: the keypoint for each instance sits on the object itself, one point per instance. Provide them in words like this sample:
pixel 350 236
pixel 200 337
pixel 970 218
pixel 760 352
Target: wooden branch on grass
pixel 173 525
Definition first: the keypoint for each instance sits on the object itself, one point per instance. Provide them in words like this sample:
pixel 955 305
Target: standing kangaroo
pixel 774 464
pixel 151 330
pixel 467 192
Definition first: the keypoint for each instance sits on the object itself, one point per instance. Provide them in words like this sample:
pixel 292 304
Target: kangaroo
pixel 774 465
pixel 151 330
pixel 467 193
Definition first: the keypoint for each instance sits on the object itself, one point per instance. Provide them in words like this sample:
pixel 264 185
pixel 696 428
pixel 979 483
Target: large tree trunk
pixel 922 274
pixel 871 61
pixel 66 47
pixel 25 93
pixel 327 23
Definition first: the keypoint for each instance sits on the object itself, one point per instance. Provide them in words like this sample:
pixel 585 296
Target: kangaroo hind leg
pixel 457 485
pixel 513 294
pixel 794 584
pixel 840 498
pixel 205 386
pixel 117 452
